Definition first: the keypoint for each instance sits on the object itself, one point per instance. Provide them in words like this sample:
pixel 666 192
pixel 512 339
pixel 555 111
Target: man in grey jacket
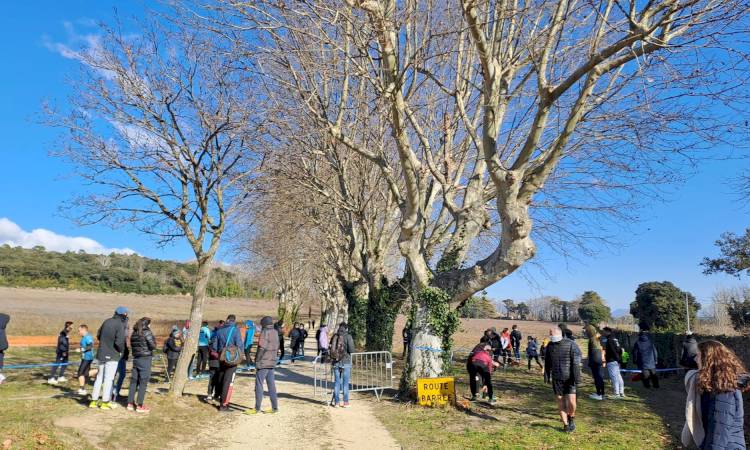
pixel 111 336
pixel 265 365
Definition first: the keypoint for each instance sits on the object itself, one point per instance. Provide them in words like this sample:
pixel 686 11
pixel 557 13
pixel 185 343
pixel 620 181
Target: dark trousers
pixel 213 381
pixel 2 357
pixel 295 348
pixel 225 381
pixel 59 371
pixel 267 376
pixel 121 368
pixel 283 351
pixel 533 358
pixel 249 355
pixel 596 373
pixel 474 370
pixel 202 358
pixel 139 376
pixel 649 377
pixel 517 353
pixel 171 366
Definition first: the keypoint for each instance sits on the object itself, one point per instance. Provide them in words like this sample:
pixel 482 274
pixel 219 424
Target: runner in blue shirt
pixel 87 356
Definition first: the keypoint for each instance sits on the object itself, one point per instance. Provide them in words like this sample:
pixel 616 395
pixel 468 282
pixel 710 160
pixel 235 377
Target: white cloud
pixel 11 234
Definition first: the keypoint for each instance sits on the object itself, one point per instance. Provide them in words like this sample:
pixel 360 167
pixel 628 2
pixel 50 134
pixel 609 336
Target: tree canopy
pixel 593 309
pixel 735 255
pixel 660 306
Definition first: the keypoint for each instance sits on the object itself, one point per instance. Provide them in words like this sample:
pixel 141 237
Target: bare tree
pixel 160 126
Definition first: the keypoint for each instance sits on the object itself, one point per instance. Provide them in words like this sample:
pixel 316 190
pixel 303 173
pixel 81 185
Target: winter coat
pixel 722 418
pixel 531 349
pixel 689 353
pixel 294 336
pixel 612 350
pixel 222 334
pixel 63 343
pixel 481 357
pixel 174 347
pixel 268 348
pixel 505 341
pixel 562 361
pixel 348 349
pixel 111 336
pixel 323 337
pixel 494 342
pixel 204 336
pixel 644 353
pixel 515 338
pixel 4 319
pixel 142 345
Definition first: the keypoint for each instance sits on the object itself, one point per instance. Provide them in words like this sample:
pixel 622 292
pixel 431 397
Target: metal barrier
pixel 371 371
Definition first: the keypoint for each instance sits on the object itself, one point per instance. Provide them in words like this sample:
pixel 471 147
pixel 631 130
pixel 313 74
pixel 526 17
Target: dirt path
pixel 302 418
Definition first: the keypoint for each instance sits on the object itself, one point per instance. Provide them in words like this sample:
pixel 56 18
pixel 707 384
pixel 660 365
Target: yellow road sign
pixel 436 391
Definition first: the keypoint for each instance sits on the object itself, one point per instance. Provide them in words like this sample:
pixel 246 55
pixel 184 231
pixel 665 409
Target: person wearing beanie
pixel 111 336
pixel 265 365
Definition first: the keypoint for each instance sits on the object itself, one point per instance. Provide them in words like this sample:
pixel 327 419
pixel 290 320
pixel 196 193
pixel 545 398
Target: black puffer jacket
pixel 4 319
pixel 562 361
pixel 143 345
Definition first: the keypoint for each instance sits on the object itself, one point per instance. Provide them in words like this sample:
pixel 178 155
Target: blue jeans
pixel 121 367
pixel 341 376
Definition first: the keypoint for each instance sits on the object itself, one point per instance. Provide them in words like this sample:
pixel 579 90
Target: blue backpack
pixel 230 355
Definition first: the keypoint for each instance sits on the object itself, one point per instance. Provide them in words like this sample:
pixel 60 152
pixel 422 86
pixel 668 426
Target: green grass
pixel 525 417
pixel 37 415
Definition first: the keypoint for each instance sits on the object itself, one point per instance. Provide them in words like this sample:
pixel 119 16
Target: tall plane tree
pixel 159 126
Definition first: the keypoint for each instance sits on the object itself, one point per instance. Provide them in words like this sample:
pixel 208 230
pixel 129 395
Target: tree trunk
pixel 356 298
pixel 196 318
pixel 424 358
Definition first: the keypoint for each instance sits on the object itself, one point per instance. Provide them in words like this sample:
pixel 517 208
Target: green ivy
pixel 442 318
pixel 357 308
pixel 382 308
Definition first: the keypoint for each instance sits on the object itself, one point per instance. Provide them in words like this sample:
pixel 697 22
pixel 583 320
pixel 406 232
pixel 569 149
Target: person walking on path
pixel 689 357
pixel 111 336
pixel 321 337
pixel 4 319
pixel 480 365
pixel 204 338
pixel 142 345
pixel 595 361
pixel 265 365
pixel 645 357
pixel 249 336
pixel 515 342
pixel 714 409
pixel 228 340
pixel 342 347
pixel 86 349
pixel 532 352
pixel 613 358
pixel 61 355
pixel 562 368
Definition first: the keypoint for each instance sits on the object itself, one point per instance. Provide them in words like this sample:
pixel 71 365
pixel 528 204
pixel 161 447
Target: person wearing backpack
pixel 228 344
pixel 340 351
pixel 265 364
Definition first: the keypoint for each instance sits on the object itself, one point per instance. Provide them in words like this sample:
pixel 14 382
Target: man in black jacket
pixel 4 319
pixel 61 355
pixel 111 336
pixel 515 342
pixel 562 368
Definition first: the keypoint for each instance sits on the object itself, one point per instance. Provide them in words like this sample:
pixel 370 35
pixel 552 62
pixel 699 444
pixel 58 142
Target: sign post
pixel 436 391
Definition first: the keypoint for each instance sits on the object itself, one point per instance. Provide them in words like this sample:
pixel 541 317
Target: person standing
pixel 61 355
pixel 173 348
pixel 321 337
pixel 280 330
pixel 480 365
pixel 295 337
pixel 4 319
pixel 406 335
pixel 613 358
pixel 111 336
pixel 595 361
pixel 645 357
pixel 204 338
pixel 342 347
pixel 249 336
pixel 505 346
pixel 122 365
pixel 304 336
pixel 515 342
pixel 689 357
pixel 265 364
pixel 142 345
pixel 228 344
pixel 562 368
pixel 532 352
pixel 86 350
pixel 714 409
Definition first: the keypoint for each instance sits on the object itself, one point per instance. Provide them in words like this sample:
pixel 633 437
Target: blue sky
pixel 667 245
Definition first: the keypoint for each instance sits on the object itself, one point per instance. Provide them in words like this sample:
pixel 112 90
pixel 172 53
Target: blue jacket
pixel 722 417
pixel 87 347
pixel 249 334
pixel 644 353
pixel 204 337
pixel 220 340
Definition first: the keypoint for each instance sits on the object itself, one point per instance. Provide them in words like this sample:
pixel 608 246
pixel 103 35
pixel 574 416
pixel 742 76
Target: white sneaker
pixel 596 397
pixel 52 381
pixel 61 379
pixel 81 391
pixel 2 378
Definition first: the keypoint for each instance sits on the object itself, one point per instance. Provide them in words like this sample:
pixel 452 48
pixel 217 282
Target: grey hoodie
pixel 268 348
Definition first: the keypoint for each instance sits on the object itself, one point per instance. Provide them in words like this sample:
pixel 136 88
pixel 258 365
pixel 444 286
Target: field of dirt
pixel 42 312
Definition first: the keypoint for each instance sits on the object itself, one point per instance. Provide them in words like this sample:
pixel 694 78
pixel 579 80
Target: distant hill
pixel 620 312
pixel 38 268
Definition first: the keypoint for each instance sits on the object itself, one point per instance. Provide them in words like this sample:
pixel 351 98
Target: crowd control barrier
pixel 371 371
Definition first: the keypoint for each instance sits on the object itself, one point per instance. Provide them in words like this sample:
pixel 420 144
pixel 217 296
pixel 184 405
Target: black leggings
pixel 596 373
pixel 202 359
pixel 533 358
pixel 474 370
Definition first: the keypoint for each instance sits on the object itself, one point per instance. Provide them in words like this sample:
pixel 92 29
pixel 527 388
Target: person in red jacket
pixel 481 364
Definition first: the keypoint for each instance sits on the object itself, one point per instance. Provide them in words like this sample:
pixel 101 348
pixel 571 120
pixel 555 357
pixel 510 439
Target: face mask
pixel 555 338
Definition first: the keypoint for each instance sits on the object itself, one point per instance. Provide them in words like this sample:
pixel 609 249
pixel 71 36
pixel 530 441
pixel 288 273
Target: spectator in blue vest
pixel 249 336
